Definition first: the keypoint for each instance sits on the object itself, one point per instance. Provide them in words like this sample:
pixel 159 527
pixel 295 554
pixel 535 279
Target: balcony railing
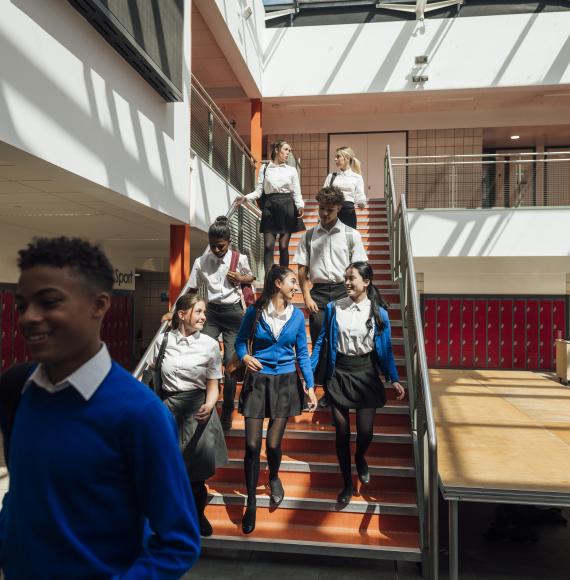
pixel 507 180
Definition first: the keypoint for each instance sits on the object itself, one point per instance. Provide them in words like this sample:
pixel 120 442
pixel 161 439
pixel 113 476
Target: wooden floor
pixel 502 430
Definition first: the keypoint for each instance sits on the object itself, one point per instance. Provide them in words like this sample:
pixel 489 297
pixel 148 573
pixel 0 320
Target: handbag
pixel 246 290
pixel 153 377
pixel 235 367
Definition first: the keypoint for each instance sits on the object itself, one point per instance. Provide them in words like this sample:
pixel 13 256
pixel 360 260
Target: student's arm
pixel 162 491
pixel 302 350
pixel 306 289
pixel 297 197
pixel 244 332
pixel 359 195
pixel 358 251
pixel 256 193
pixel 390 363
pixel 194 276
pixel 327 180
pixel 317 347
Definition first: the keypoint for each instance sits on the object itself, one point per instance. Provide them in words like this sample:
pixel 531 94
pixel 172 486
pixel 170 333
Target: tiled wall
pixel 148 306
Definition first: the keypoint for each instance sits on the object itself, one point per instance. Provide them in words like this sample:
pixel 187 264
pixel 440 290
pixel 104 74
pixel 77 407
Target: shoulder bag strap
pixel 308 239
pixel 252 332
pixel 333 177
pixel 234 261
pixel 349 242
pixel 160 356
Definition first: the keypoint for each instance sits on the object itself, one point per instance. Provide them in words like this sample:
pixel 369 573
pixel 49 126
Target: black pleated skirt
pixel 202 444
pixel 355 383
pixel 271 396
pixel 279 215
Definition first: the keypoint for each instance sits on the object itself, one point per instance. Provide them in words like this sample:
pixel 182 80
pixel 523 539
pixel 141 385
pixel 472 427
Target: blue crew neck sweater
pixel 277 355
pixel 98 488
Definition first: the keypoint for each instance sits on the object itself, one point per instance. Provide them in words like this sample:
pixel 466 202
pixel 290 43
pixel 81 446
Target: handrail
pixel 421 408
pixel 146 358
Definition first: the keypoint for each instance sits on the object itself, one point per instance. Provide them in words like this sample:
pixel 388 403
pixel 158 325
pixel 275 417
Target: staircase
pixel 381 521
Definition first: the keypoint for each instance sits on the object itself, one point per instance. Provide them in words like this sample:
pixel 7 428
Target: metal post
pixel 453 540
pixel 210 138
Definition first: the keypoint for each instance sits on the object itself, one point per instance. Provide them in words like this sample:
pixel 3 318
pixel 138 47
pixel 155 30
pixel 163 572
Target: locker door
pixel 493 334
pixel 558 321
pixel 467 334
pixel 519 339
pixel 506 316
pixel 442 332
pixel 480 317
pixel 430 306
pixel 546 339
pixel 532 333
pixel 455 333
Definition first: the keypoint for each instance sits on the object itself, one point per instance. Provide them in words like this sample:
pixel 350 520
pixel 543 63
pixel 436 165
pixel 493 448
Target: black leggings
pixel 253 433
pixel 200 494
pixel 269 250
pixel 364 431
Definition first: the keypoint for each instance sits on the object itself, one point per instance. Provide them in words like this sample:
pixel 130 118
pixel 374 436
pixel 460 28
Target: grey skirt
pixel 202 444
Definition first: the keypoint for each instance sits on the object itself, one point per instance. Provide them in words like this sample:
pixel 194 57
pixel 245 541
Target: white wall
pixel 241 40
pixel 490 232
pixel 69 98
pixel 487 51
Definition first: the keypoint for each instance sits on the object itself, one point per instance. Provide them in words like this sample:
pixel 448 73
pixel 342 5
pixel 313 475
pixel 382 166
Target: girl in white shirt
pixel 282 205
pixel 349 180
pixel 191 368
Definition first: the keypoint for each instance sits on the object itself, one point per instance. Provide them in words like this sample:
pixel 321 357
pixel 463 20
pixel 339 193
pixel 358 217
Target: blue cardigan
pixel 382 341
pixel 278 356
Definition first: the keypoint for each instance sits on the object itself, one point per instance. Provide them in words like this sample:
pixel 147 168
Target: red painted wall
pixel 493 332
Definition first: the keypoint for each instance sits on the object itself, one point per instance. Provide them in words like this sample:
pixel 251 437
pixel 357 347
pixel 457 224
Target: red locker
pixel 7 323
pixel 442 332
pixel 519 338
pixel 455 333
pixel 493 334
pixel 532 334
pixel 480 334
pixel 467 334
pixel 430 306
pixel 506 324
pixel 545 335
pixel 558 321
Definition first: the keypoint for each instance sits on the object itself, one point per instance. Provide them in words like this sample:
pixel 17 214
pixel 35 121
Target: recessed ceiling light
pixel 515 137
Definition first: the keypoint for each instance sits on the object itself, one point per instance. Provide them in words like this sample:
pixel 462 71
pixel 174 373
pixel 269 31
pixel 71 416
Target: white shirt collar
pixel 363 306
pixel 336 228
pixel 271 311
pixel 179 337
pixel 273 164
pixel 86 379
pixel 226 259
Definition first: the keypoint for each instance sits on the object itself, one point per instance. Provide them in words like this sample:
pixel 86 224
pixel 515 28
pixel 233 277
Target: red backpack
pixel 247 291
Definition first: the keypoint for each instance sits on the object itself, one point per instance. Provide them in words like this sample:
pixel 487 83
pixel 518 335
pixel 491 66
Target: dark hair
pixel 83 257
pixel 185 302
pixel 269 288
pixel 330 196
pixel 220 229
pixel 275 147
pixel 376 300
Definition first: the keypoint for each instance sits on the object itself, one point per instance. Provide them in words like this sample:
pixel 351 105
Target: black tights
pixel 200 494
pixel 364 430
pixel 253 432
pixel 269 249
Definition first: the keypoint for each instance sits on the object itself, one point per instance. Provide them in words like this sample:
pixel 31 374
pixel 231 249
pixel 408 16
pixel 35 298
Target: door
pixel 370 148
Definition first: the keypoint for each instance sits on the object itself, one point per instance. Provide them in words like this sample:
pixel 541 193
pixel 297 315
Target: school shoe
pixel 362 470
pixel 345 494
pixel 226 419
pixel 324 401
pixel 277 492
pixel 206 529
pixel 248 521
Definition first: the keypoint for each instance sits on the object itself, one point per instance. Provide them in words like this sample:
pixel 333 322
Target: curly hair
pixel 86 258
pixel 330 196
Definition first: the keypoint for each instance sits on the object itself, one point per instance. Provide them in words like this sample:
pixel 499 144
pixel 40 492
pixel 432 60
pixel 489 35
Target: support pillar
pixel 179 260
pixel 256 132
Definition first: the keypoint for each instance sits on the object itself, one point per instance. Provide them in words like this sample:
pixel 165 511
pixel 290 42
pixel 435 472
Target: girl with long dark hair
pixel 191 369
pixel 279 191
pixel 271 388
pixel 359 347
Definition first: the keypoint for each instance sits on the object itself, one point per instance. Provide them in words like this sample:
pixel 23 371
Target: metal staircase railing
pixel 421 410
pixel 244 226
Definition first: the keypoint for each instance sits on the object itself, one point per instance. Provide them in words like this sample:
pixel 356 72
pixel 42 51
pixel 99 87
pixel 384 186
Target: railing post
pixel 229 157
pixel 210 138
pixel 243 172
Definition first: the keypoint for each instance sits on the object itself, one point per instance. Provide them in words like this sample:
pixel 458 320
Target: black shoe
pixel 205 527
pixel 248 521
pixel 277 492
pixel 362 469
pixel 346 494
pixel 226 419
pixel 324 401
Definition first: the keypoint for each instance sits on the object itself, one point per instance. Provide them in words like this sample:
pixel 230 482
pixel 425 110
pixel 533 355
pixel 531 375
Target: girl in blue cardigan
pixel 355 346
pixel 271 387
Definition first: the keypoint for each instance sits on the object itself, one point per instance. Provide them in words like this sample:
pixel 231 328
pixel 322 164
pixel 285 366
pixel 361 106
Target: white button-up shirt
pixel 330 255
pixel 351 184
pixel 276 320
pixel 354 337
pixel 275 178
pixel 85 380
pixel 189 361
pixel 213 273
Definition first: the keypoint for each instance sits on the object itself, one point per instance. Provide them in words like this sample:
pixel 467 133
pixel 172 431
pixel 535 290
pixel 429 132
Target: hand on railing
pixel 240 200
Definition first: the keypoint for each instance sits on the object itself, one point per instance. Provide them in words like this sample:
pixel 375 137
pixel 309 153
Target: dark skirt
pixel 202 444
pixel 347 215
pixel 271 396
pixel 355 383
pixel 279 215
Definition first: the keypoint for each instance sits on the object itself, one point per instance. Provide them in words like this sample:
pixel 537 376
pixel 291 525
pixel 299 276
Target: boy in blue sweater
pixel 98 488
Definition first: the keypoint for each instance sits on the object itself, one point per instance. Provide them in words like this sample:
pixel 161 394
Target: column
pixel 256 132
pixel 179 260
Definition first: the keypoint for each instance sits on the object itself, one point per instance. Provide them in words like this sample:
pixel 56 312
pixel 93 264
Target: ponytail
pixel 220 229
pixel 350 156
pixel 356 166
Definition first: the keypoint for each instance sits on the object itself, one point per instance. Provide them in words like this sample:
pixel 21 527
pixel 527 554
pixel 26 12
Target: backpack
pixel 349 243
pixel 247 291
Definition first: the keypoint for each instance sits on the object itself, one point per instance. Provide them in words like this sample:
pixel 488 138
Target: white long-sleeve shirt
pixel 280 178
pixel 351 184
